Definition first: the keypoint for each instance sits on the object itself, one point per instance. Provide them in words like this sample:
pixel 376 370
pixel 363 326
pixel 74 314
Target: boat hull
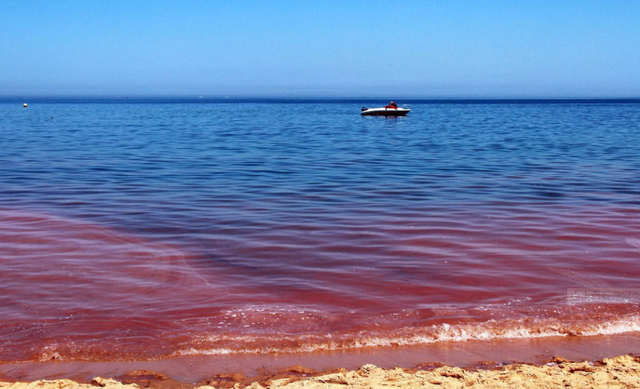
pixel 385 112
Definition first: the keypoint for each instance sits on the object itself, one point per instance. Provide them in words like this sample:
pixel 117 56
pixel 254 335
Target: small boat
pixel 384 111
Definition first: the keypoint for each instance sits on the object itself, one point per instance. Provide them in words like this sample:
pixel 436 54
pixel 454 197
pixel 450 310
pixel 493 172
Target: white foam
pixel 490 330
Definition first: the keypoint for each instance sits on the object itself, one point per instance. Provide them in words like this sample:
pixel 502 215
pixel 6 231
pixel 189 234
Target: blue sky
pixel 320 48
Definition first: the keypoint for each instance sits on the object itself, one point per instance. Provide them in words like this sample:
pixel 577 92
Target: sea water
pixel 144 230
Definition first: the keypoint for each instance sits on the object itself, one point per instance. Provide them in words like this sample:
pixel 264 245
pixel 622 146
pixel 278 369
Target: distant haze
pixel 241 48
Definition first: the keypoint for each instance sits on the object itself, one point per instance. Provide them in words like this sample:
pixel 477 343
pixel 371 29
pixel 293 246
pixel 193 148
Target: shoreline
pixel 620 371
pixel 194 371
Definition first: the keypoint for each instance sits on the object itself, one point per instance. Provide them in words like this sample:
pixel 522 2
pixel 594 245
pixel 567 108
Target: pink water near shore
pixel 78 291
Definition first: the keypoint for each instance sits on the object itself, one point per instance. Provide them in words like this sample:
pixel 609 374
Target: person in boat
pixel 392 105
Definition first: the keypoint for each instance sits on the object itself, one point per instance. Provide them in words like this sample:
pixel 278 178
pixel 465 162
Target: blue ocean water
pixel 310 219
pixel 325 153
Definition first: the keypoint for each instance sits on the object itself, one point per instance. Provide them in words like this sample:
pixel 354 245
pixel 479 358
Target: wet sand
pixel 618 372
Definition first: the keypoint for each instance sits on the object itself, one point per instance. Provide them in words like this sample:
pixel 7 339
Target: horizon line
pixel 194 97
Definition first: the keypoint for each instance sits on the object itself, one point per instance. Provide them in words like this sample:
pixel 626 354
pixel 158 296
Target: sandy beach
pixel 619 372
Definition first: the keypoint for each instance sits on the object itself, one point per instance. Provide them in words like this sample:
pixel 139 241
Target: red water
pixel 72 290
